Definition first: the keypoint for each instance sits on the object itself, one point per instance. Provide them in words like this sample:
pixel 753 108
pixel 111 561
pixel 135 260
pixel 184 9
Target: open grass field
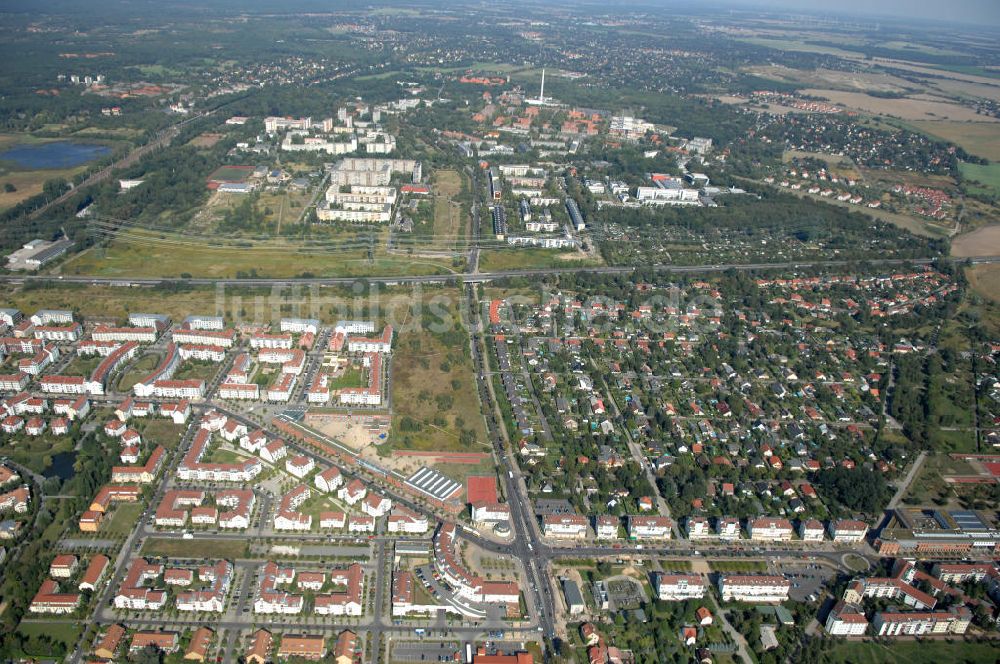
pixel 197 370
pixel 797 46
pixel 987 177
pixel 979 138
pixel 449 222
pixel 196 548
pixel 123 519
pixel 81 365
pixel 66 632
pixel 157 431
pixel 205 140
pixel 103 302
pixel 231 173
pixel 433 386
pixel 28 183
pixel 138 370
pixel 912 652
pixel 984 241
pixel 528 257
pixel 139 253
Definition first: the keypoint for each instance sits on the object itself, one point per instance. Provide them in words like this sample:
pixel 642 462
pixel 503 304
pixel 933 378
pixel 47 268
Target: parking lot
pixel 426 651
pixel 807 578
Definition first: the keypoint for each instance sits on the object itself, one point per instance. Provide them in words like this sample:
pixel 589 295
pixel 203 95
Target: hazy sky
pixel 976 12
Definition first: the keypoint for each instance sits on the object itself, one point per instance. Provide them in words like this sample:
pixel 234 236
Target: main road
pixel 480 277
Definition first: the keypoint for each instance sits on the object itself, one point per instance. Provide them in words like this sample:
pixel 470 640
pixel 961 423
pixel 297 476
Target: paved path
pixel 912 473
pixel 742 647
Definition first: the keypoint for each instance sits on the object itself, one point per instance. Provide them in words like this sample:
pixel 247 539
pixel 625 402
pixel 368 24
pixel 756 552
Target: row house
pixel 370 395
pixel 144 474
pixel 48 599
pixel 240 391
pixel 380 344
pixel 192 468
pixel 281 390
pixel 202 352
pixel 14 382
pixel 263 340
pixel 66 333
pixel 191 388
pixel 220 338
pixel 72 409
pixel 922 623
pixel 361 524
pixel 143 335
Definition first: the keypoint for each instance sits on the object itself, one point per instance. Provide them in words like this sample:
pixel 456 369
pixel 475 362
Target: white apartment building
pixel 769 529
pixel 245 391
pixel 328 480
pixel 606 527
pixel 679 587
pixel 649 527
pixel 485 512
pixel 299 325
pixel 811 530
pixel 846 620
pixel 564 526
pixel 698 528
pixel 847 530
pixel 753 588
pixel 262 340
pixel 666 196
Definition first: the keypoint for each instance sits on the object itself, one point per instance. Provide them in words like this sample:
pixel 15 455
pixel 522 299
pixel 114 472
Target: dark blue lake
pixel 62 466
pixel 60 154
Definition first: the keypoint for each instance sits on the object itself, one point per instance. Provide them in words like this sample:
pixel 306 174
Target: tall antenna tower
pixel 541 92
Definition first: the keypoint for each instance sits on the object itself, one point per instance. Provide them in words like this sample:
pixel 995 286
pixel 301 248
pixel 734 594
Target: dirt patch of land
pixel 205 140
pixel 982 242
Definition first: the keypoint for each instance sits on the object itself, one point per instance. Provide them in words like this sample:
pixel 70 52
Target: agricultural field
pixel 906 108
pixel 979 138
pixel 986 177
pixel 982 242
pixel 985 281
